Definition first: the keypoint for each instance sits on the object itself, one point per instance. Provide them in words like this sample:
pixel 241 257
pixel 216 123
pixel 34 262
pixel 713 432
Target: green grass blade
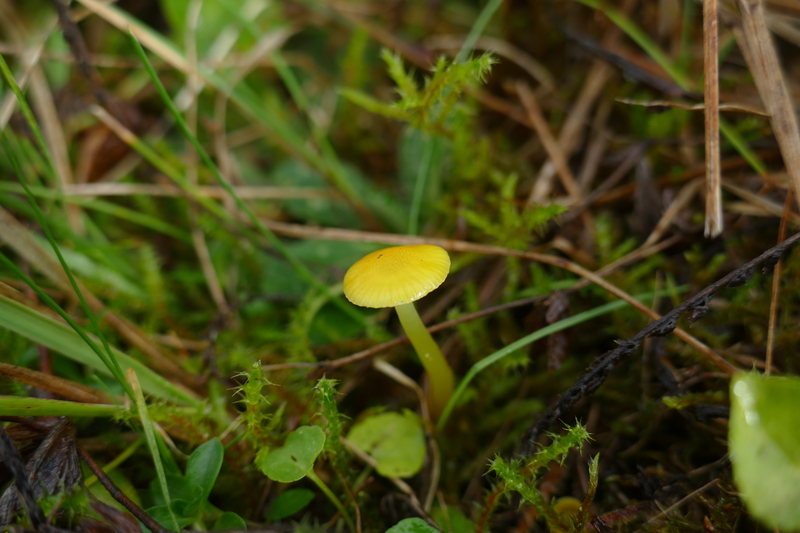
pixel 477 30
pixel 489 360
pixel 23 406
pixel 29 117
pixel 150 439
pixel 44 330
pixel 430 147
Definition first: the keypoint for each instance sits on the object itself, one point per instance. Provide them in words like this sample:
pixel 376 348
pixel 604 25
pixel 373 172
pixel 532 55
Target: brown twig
pixel 547 138
pixel 118 495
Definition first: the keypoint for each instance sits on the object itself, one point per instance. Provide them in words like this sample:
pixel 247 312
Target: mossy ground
pixel 344 127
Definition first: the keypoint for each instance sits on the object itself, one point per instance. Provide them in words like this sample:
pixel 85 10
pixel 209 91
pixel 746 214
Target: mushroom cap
pixel 396 276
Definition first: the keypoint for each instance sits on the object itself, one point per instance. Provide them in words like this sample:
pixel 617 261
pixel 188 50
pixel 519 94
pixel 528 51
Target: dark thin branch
pixel 697 305
pixel 118 495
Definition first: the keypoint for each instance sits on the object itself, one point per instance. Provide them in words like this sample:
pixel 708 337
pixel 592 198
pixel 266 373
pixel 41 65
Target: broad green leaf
pixel 412 525
pixel 288 503
pixel 322 211
pixel 296 457
pixel 229 521
pixel 179 489
pixel 203 466
pixel 763 441
pixel 395 440
pixel 44 330
pixel 452 520
pixel 171 516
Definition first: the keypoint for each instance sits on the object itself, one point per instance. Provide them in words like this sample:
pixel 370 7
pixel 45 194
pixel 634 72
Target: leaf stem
pixel 332 497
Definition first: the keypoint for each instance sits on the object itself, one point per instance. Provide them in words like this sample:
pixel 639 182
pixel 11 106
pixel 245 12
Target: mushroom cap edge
pixel 396 275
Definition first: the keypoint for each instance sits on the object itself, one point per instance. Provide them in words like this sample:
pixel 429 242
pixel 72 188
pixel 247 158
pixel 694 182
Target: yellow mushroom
pixel 397 277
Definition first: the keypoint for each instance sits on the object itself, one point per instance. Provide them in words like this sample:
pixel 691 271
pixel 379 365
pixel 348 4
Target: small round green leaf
pixel 228 521
pixel 763 441
pixel 412 525
pixel 395 440
pixel 296 457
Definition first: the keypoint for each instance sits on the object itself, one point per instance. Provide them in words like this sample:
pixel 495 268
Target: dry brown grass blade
pixel 568 137
pixel 65 388
pixel 209 191
pixel 714 221
pixel 725 106
pixel 755 41
pixel 761 203
pixel 549 141
pixel 13 294
pixel 597 146
pixel 599 74
pixel 776 284
pixel 681 200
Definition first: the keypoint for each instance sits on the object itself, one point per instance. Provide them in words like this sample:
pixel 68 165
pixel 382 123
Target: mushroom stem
pixel 441 376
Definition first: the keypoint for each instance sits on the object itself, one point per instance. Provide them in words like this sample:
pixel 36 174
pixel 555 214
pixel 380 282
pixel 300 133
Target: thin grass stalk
pixel 489 360
pixel 150 439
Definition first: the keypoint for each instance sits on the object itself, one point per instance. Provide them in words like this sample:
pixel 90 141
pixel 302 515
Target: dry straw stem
pixel 714 220
pixel 681 200
pixel 776 283
pixel 208 191
pixel 550 143
pixel 760 204
pixel 734 107
pixel 65 388
pixel 756 45
pixel 568 138
pixel 399 483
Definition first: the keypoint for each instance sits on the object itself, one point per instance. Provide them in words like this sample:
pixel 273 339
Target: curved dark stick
pixel 596 374
pixel 118 495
